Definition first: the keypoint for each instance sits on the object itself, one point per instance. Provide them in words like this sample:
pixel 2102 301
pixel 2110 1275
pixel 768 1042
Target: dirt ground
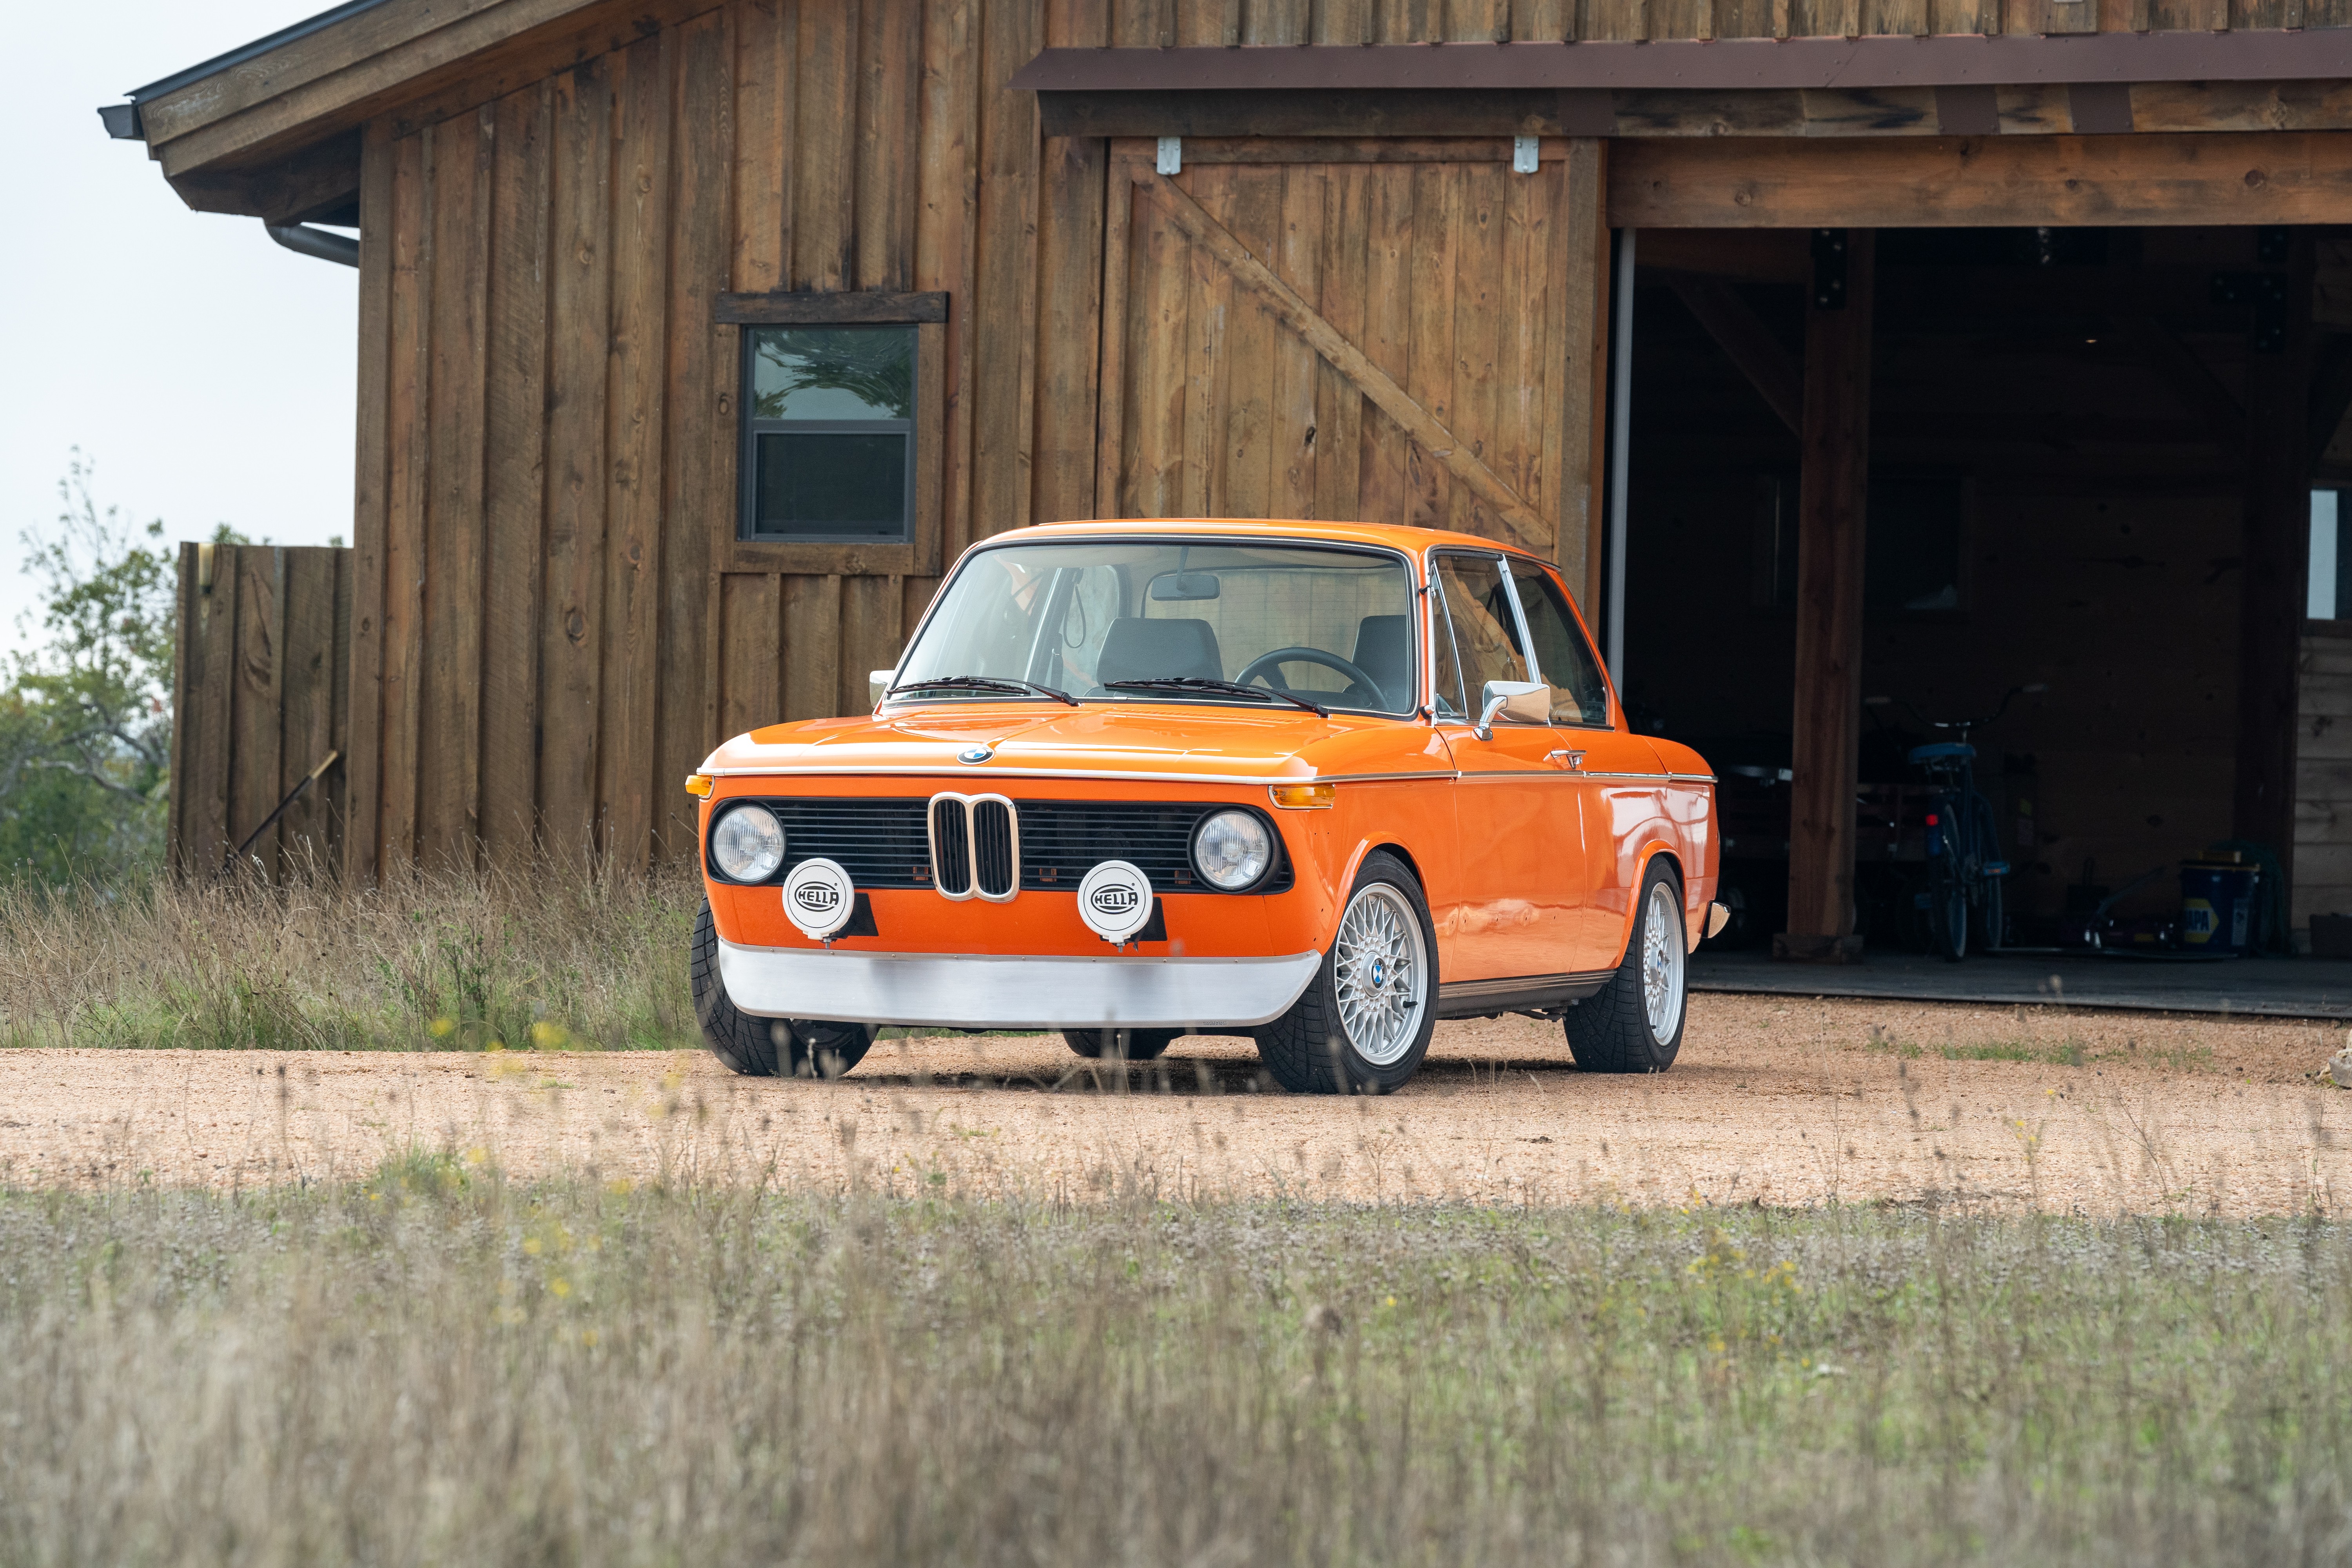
pixel 1775 1099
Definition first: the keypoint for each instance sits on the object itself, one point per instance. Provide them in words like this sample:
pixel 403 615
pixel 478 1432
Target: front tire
pixel 1363 1024
pixel 1119 1045
pixel 1634 1023
pixel 765 1047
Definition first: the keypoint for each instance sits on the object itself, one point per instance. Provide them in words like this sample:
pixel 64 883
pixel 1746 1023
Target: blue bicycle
pixel 1966 871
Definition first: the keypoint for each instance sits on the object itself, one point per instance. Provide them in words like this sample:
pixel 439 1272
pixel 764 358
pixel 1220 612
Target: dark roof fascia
pixel 1696 65
pixel 253 50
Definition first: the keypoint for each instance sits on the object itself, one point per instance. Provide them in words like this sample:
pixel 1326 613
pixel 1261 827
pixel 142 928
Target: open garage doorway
pixel 2090 453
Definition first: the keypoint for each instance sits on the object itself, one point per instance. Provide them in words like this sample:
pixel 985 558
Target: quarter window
pixel 829 434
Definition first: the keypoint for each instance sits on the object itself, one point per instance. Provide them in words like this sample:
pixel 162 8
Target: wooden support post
pixel 1834 492
pixel 2277 538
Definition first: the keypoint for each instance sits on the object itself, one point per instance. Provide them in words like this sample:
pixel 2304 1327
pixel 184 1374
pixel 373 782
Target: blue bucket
pixel 2217 906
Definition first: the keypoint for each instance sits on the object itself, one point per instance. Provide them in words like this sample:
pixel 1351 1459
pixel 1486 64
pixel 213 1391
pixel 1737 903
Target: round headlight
pixel 1232 850
pixel 748 844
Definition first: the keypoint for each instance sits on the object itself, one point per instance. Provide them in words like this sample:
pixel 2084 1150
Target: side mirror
pixel 877 684
pixel 1527 702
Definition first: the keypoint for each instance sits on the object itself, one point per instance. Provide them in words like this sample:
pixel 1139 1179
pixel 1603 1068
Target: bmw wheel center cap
pixel 975 754
pixel 819 898
pixel 1115 901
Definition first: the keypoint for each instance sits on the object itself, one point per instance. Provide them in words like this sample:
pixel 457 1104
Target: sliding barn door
pixel 1390 332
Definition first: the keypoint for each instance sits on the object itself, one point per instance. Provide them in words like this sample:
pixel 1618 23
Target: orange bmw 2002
pixel 1318 784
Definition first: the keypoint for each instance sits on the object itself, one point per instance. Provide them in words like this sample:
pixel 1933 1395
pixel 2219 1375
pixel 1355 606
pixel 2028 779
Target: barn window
pixel 829 434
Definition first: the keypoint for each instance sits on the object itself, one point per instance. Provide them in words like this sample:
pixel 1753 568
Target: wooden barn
pixel 1839 348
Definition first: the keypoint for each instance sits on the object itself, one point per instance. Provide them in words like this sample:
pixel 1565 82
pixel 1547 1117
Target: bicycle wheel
pixel 1992 914
pixel 1948 913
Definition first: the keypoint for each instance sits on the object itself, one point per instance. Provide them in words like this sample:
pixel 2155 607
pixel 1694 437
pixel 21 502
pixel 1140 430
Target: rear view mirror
pixel 1185 586
pixel 2037 689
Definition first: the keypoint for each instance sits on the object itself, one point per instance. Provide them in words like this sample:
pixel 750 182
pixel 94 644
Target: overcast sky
pixel 207 373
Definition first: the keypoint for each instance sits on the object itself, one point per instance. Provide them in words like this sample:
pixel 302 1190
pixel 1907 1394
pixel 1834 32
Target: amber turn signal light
pixel 699 784
pixel 1305 797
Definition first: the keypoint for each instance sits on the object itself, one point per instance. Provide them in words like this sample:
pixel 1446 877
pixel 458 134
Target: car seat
pixel 1384 652
pixel 1140 649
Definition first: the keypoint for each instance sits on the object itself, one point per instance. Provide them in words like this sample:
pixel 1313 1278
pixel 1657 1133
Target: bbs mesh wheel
pixel 1634 1023
pixel 1364 1023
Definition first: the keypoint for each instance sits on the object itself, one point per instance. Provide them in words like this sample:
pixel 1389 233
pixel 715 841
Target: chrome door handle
pixel 1572 761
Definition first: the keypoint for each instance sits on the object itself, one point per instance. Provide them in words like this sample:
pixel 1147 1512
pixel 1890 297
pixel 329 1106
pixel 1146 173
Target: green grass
pixel 548 959
pixel 438 1366
pixel 2056 1053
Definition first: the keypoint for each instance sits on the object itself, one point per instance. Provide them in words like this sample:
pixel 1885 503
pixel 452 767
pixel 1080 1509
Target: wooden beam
pixel 319 179
pixel 429 61
pixel 804 309
pixel 2331 394
pixel 1832 493
pixel 1288 308
pixel 1909 112
pixel 2190 381
pixel 1750 344
pixel 1584 332
pixel 2276 542
pixel 1942 182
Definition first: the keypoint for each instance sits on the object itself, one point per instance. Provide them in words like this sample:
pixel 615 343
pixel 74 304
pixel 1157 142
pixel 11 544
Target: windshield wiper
pixel 983 683
pixel 1199 683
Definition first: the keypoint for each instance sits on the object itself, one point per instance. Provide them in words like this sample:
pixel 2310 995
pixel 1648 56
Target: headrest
pixel 1384 652
pixel 1140 649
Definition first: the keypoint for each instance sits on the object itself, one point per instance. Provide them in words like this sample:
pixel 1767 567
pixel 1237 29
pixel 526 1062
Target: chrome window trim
pixel 1422 663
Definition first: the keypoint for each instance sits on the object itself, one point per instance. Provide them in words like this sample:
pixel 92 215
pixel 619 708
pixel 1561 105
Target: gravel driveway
pixel 1778 1100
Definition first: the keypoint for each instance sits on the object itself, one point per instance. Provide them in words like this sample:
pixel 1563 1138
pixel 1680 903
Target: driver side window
pixel 1477 641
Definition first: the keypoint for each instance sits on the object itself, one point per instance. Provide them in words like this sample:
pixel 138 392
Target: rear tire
pixel 1634 1023
pixel 764 1047
pixel 1119 1045
pixel 1948 916
pixel 1364 1023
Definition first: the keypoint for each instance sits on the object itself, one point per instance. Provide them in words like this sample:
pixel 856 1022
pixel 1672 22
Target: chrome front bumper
pixel 953 991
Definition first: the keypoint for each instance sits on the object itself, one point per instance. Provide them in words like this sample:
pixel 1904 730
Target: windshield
pixel 1321 625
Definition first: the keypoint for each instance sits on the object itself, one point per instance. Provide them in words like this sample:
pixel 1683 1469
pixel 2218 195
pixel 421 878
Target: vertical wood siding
pixel 548 631
pixel 265 640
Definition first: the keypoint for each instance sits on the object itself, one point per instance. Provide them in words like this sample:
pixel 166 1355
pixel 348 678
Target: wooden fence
pixel 262 698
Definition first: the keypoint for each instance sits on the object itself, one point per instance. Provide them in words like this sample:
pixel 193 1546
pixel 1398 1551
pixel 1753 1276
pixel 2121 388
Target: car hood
pixel 1172 740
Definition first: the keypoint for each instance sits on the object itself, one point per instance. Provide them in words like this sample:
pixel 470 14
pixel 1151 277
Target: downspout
pixel 1620 444
pixel 305 240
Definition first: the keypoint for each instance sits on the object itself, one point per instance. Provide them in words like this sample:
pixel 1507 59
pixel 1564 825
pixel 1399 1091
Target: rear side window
pixel 1563 658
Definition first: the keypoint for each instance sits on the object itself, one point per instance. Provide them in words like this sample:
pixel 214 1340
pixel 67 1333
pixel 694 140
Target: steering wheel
pixel 1263 667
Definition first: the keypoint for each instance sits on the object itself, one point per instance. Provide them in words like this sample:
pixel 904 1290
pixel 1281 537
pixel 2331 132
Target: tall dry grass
pixel 440 1366
pixel 576 958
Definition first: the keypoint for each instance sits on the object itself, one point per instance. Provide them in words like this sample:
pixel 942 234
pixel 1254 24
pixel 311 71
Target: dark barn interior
pixel 2062 459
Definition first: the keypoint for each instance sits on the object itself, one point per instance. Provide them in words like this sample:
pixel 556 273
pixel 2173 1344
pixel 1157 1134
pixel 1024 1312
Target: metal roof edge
pixel 253 50
pixel 1691 64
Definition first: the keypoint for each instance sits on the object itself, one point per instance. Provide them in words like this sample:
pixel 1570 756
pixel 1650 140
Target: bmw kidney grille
pixel 975 847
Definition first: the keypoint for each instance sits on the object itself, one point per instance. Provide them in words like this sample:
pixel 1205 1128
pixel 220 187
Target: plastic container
pixel 2217 906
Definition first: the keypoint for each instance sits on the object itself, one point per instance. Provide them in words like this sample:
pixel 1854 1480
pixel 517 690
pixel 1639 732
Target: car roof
pixel 1394 536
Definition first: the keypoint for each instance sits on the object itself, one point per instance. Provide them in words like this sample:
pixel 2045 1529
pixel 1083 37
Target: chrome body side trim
pixel 1690 778
pixel 959 991
pixel 1248 781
